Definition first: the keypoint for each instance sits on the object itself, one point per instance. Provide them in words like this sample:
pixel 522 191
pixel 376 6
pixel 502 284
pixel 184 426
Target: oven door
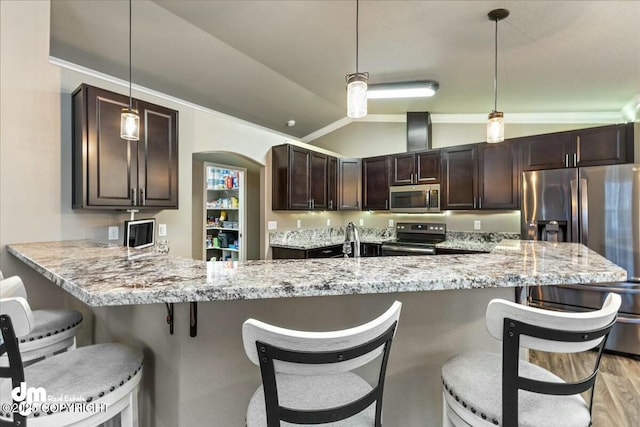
pixel 398 249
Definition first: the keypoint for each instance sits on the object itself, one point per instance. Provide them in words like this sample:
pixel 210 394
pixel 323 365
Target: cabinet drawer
pixel 326 252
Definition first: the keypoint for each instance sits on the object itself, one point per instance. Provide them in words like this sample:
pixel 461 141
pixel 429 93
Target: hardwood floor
pixel 617 394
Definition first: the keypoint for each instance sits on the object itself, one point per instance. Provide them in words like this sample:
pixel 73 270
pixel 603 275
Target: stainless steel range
pixel 415 238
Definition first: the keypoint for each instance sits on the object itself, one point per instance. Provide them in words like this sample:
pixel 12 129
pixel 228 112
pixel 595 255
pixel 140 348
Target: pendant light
pixel 130 120
pixel 495 125
pixel 357 84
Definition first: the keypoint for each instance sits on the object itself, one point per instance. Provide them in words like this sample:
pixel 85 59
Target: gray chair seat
pixel 475 381
pixel 88 372
pixel 315 392
pixel 52 322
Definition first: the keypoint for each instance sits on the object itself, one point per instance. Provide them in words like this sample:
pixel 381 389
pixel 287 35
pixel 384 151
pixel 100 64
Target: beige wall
pixel 366 139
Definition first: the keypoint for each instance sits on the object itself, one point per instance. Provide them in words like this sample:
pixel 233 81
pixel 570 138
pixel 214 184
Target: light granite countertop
pixel 103 274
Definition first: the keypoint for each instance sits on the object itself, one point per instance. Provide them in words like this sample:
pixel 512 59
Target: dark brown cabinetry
pixel 375 182
pixel 112 173
pixel 349 173
pixel 604 145
pixel 302 179
pixel 334 251
pixel 332 183
pixel 480 176
pixel 498 176
pixel 415 168
pixel 459 177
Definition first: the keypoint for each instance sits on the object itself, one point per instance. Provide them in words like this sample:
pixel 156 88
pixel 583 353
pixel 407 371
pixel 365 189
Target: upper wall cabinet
pixel 349 173
pixel 421 167
pixel 375 182
pixel 480 176
pixel 604 145
pixel 302 179
pixel 112 173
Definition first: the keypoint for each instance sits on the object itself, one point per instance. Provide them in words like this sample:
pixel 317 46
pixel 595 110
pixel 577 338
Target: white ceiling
pixel 271 61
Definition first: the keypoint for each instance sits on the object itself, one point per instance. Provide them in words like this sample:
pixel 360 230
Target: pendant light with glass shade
pixel 357 84
pixel 495 125
pixel 129 119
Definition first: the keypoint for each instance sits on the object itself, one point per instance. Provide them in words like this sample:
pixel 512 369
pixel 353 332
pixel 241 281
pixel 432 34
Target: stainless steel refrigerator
pixel 597 206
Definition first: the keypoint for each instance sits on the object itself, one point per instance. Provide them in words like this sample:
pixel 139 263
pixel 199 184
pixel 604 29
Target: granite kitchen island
pixel 207 379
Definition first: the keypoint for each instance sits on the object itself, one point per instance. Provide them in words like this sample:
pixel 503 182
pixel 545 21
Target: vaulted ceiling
pixel 270 61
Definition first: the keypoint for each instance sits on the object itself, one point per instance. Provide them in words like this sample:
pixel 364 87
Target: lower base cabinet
pixel 334 251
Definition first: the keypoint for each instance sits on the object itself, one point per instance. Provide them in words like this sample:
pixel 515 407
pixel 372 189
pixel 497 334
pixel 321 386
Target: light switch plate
pixel 272 225
pixel 328 222
pixel 361 222
pixel 298 223
pixel 390 223
pixel 162 230
pixel 113 233
pixel 476 225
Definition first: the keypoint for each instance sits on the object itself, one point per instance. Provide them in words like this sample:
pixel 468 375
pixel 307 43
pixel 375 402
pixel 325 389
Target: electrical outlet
pixel 390 223
pixel 298 223
pixel 328 222
pixel 113 233
pixel 162 230
pixel 361 222
pixel 272 225
pixel 476 225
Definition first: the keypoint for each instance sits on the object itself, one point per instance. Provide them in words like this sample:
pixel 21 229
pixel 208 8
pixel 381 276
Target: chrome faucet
pixel 351 235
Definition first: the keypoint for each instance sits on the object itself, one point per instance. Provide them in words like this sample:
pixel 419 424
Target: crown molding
pixel 141 89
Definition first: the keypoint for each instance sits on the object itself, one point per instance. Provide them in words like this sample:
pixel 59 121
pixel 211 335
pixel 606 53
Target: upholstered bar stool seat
pixel 486 389
pixel 50 331
pixel 105 375
pixel 310 392
pixel 308 378
pixel 474 382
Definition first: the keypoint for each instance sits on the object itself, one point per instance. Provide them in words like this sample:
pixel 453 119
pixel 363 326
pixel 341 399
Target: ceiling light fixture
pixel 357 84
pixel 129 119
pixel 495 125
pixel 417 89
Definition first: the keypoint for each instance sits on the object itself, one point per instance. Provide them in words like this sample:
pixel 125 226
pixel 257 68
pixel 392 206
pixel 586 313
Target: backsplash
pixel 328 234
pixel 478 236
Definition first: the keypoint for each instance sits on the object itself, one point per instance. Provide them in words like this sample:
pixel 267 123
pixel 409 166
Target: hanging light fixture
pixel 357 84
pixel 495 125
pixel 129 119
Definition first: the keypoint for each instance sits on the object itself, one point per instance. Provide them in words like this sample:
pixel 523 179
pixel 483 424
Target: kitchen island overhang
pixel 192 381
pixel 105 274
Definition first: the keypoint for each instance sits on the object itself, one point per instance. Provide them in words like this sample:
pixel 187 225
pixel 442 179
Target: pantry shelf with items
pixel 222 221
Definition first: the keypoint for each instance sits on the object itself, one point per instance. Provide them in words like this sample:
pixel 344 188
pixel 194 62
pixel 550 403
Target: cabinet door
pixel 498 179
pixel 298 183
pixel 375 182
pixel 459 167
pixel 402 169
pixel 349 184
pixel 332 184
pixel 158 156
pixel 551 151
pixel 427 167
pixel 319 167
pixel 111 160
pixel 602 146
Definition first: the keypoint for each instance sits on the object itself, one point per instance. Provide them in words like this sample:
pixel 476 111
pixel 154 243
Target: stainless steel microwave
pixel 415 198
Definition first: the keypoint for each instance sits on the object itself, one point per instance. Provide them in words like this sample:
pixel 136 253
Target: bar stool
pixel 483 389
pixel 96 383
pixel 49 331
pixel 307 378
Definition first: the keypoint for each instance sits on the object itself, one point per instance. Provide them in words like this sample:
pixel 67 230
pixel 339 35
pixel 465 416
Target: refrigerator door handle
pixel 574 211
pixel 584 212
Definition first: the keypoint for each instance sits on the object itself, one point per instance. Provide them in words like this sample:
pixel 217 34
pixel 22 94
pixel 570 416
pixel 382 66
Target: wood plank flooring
pixel 617 394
